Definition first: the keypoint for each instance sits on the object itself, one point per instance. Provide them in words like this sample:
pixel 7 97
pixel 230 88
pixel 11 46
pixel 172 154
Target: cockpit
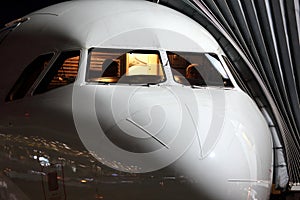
pixel 134 67
pixel 124 67
pixel 121 66
pixel 198 69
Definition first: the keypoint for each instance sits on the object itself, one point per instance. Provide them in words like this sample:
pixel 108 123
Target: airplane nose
pixel 142 121
pixel 216 139
pixel 144 128
pixel 159 121
pixel 139 120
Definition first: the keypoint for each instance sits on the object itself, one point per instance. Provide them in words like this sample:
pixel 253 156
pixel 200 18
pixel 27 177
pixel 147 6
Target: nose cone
pixel 151 126
pixel 215 138
pixel 143 119
pixel 140 120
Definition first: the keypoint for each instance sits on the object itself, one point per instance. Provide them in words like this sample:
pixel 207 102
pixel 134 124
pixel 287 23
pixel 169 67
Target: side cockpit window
pixel 63 72
pixel 28 77
pixel 198 69
pixel 124 66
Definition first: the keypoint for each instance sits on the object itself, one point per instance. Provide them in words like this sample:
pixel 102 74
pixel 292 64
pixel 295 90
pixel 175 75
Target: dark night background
pixel 14 9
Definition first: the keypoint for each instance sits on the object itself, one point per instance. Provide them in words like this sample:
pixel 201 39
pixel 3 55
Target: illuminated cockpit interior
pixel 198 69
pixel 122 66
pixel 125 66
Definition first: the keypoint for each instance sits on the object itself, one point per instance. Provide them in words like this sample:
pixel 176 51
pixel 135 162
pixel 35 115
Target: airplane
pixel 125 100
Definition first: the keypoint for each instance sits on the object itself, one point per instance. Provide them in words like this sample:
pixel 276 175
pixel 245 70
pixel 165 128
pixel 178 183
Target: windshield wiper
pixel 198 86
pixel 149 84
pixel 143 84
pixel 102 82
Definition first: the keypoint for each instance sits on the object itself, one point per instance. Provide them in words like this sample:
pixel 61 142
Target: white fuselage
pixel 164 139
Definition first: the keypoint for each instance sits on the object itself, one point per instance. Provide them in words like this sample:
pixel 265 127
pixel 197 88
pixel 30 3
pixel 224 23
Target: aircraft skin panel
pixel 96 26
pixel 168 121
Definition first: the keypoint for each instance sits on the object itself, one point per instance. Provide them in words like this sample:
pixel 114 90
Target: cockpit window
pixel 63 72
pixel 124 66
pixel 28 77
pixel 198 69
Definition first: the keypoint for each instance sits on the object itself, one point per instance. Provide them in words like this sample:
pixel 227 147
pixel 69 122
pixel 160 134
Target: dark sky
pixel 14 9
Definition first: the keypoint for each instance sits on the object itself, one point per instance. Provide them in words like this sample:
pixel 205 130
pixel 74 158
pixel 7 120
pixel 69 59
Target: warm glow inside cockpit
pixel 124 66
pixel 198 69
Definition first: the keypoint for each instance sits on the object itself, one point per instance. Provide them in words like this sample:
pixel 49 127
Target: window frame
pixel 122 51
pixel 215 55
pixel 50 67
pixel 17 91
